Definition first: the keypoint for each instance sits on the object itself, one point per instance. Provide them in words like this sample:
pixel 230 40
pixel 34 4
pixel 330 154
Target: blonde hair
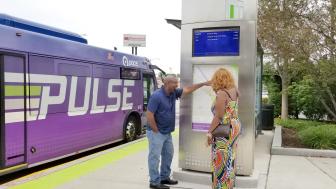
pixel 222 79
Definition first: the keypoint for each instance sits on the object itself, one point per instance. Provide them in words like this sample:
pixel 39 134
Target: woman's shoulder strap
pixel 227 92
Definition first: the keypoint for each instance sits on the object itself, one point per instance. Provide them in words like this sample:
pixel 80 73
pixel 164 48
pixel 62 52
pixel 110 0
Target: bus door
pixel 13 100
pixel 148 89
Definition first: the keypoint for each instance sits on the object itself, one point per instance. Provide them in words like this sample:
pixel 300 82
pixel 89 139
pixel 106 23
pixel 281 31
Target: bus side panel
pixel 2 113
pixel 14 110
pixel 137 96
pixel 59 134
pixel 60 131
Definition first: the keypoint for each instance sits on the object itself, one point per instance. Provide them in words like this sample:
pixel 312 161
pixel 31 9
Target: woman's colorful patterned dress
pixel 223 151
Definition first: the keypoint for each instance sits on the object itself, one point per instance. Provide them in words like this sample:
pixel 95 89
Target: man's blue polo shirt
pixel 163 107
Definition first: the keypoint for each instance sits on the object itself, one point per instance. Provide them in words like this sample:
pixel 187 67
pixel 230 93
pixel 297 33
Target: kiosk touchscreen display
pixel 216 42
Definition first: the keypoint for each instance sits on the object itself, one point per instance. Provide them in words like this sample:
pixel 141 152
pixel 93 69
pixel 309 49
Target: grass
pixel 313 134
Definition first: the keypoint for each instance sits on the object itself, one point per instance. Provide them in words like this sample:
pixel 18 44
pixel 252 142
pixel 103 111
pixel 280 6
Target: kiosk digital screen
pixel 216 42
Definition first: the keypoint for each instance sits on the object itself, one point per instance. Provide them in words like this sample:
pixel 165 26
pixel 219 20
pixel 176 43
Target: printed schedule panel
pixel 216 42
pixel 203 98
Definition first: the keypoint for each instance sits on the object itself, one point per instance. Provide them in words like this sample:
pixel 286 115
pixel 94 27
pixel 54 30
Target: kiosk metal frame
pixel 198 14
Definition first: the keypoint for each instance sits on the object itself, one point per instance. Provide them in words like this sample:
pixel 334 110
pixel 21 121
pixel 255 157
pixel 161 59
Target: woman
pixel 223 150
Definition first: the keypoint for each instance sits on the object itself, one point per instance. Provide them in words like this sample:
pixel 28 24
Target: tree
pixel 307 98
pixel 284 34
pixel 273 86
pixel 321 19
pixel 325 83
pixel 298 70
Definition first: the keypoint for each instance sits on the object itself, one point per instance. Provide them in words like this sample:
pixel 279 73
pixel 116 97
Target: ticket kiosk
pixel 216 34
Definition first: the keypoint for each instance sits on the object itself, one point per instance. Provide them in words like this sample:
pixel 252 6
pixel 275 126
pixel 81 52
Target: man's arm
pixel 151 121
pixel 153 105
pixel 189 89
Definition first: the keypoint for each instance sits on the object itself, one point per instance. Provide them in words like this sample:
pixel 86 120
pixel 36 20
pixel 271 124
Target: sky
pixel 103 23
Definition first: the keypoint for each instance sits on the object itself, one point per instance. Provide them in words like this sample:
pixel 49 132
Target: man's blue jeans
pixel 160 145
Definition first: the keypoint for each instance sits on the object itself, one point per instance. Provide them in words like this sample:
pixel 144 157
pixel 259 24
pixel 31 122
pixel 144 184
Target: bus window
pixel 129 73
pixel 148 89
pixel 13 107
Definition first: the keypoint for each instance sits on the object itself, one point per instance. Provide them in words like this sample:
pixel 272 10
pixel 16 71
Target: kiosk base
pixel 205 178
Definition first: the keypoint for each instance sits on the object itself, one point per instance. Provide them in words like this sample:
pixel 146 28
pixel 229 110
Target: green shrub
pixel 297 124
pixel 319 137
pixel 313 134
pixel 307 98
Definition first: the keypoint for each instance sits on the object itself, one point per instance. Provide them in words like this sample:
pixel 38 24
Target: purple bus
pixel 60 96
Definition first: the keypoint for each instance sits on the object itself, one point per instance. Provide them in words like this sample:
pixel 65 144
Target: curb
pixel 277 148
pixel 277 139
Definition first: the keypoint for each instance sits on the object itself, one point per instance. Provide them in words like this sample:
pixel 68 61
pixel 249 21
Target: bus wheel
pixel 131 129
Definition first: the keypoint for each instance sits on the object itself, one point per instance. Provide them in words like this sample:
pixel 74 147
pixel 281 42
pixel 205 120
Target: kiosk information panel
pixel 203 98
pixel 216 42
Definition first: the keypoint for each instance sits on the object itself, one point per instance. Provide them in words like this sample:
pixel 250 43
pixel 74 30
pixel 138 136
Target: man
pixel 161 120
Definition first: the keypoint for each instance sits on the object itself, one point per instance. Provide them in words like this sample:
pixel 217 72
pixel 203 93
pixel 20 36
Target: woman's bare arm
pixel 220 104
pixel 237 92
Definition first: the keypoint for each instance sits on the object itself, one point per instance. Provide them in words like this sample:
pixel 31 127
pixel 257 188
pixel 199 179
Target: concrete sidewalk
pixel 295 172
pixel 129 170
pixel 132 171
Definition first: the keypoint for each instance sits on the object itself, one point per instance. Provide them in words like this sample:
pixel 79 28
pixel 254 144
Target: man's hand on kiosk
pixel 208 83
pixel 189 89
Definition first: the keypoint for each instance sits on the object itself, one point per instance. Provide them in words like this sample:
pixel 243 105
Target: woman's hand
pixel 209 139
